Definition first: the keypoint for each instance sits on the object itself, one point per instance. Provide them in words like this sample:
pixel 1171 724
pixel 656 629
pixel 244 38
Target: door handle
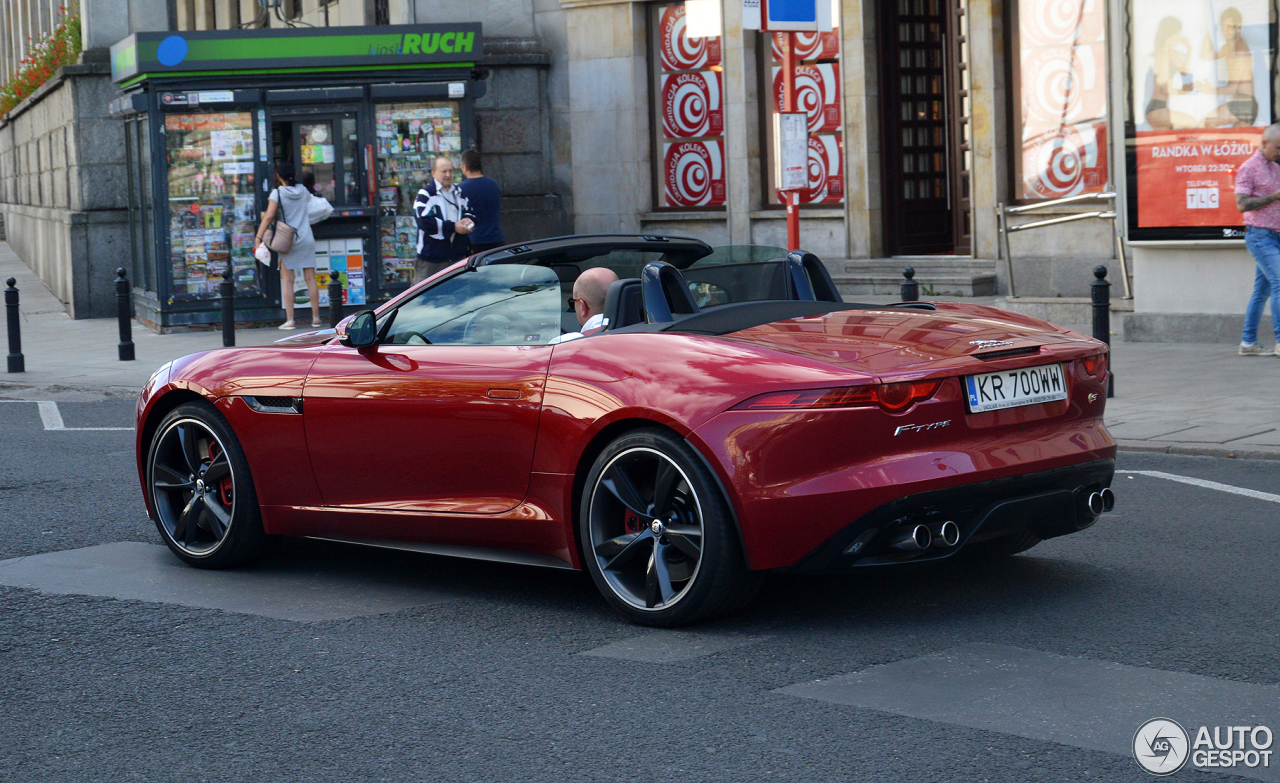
pixel 504 394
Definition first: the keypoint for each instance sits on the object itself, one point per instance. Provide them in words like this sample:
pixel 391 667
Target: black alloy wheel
pixel 201 492
pixel 658 535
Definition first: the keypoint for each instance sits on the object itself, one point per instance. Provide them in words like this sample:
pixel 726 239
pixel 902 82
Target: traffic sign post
pixel 791 134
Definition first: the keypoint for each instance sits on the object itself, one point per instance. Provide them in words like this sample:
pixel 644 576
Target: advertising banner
pixel 679 51
pixel 1201 97
pixel 817 94
pixel 826 176
pixel 1065 161
pixel 1062 85
pixel 809 46
pixel 693 173
pixel 691 105
pixel 1187 178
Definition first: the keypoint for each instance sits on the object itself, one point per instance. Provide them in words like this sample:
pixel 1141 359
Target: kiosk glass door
pixel 323 150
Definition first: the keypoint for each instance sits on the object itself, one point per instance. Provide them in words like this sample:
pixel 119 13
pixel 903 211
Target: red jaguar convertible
pixel 734 416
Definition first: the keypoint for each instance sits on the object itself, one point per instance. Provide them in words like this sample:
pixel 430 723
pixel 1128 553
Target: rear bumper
pixel 1049 503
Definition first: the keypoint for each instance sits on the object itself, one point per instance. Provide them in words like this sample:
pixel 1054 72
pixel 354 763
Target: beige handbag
pixel 279 235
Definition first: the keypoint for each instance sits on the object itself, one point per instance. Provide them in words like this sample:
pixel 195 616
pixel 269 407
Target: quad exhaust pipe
pixel 912 539
pixel 1100 502
pixel 945 534
pixel 920 537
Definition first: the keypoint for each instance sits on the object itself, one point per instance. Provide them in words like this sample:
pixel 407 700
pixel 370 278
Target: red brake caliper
pixel 224 486
pixel 631 522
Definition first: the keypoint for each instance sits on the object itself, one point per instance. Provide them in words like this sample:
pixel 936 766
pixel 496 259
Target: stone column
pixel 989 176
pixel 609 118
pixel 741 124
pixel 860 79
pixel 104 22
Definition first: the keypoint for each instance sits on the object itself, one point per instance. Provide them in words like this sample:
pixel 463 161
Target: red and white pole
pixel 790 198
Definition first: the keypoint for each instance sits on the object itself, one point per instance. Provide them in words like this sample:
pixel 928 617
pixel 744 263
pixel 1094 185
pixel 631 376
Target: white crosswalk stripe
pixel 51 418
pixel 1206 484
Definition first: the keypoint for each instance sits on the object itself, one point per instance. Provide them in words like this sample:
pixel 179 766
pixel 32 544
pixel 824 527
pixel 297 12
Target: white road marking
pixel 51 418
pixel 1206 484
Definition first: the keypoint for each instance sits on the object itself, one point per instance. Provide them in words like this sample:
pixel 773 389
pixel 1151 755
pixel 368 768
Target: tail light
pixel 1095 365
pixel 891 397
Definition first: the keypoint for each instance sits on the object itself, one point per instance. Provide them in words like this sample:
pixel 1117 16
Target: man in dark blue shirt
pixel 483 199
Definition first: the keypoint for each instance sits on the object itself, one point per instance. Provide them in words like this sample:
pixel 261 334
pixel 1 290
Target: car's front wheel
pixel 201 491
pixel 658 534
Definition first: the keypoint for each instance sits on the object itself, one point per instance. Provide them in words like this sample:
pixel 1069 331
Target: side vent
pixel 275 404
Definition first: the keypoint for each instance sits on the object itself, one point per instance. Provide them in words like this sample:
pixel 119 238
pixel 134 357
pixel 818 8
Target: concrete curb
pixel 1202 449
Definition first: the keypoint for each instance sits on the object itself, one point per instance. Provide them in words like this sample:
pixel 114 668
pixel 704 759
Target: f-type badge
pixel 937 425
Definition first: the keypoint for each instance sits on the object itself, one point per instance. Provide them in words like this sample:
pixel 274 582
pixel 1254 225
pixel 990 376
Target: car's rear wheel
pixel 205 506
pixel 658 534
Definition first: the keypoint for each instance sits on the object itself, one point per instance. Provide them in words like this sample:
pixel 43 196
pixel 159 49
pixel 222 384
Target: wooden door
pixel 922 109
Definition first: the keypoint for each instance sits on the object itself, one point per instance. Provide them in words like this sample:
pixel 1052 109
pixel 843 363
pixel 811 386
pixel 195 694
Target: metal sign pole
pixel 791 198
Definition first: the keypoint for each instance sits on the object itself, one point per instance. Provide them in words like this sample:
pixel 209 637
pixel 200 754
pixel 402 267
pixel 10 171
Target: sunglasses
pixel 573 301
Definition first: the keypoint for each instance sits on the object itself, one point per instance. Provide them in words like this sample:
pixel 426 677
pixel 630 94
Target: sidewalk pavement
pixel 1173 397
pixel 79 359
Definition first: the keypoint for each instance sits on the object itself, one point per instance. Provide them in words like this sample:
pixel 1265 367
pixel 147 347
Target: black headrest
pixel 666 293
pixel 623 303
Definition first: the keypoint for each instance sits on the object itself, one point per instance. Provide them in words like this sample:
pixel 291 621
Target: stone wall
pixel 62 187
pixel 513 135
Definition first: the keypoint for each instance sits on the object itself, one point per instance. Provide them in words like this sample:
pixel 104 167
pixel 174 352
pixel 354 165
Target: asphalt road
pixel 483 676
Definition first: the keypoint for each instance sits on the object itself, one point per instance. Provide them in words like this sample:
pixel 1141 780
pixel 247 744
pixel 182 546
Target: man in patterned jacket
pixel 444 220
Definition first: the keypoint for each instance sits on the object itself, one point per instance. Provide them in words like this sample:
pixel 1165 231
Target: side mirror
pixel 359 331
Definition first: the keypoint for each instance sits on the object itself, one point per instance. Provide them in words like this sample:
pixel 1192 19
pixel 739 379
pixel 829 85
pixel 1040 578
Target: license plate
pixel 993 391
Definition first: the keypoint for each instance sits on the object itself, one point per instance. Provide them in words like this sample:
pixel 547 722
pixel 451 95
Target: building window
pixel 1059 98
pixel 687 77
pixel 817 87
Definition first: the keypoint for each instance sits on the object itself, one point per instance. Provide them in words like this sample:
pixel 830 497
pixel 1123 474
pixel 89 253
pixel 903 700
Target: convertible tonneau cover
pixel 730 318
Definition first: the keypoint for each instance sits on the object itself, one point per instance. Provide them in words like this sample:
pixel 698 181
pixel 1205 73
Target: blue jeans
pixel 1264 244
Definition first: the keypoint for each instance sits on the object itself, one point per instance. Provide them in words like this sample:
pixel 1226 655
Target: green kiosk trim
pixel 145 55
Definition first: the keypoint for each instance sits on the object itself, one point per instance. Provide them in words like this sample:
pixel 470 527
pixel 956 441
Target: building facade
pixel 926 117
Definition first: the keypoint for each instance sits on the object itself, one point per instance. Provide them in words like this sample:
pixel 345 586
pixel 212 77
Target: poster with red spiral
pixel 817 94
pixel 681 52
pixel 693 173
pixel 692 105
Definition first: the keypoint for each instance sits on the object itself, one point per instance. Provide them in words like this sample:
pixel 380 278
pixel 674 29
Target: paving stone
pixel 279 589
pixel 1072 701
pixel 667 646
pixel 1215 433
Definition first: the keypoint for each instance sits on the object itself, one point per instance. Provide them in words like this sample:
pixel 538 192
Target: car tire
pixel 201 491
pixel 658 534
pixel 1005 546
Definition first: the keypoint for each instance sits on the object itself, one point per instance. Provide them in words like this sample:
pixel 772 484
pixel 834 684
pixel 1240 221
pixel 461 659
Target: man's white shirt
pixel 594 322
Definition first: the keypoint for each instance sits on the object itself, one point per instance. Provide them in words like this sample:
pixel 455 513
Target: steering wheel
pixel 496 326
pixel 415 338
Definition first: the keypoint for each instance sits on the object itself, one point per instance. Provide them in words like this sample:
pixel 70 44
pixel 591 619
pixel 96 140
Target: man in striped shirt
pixel 444 220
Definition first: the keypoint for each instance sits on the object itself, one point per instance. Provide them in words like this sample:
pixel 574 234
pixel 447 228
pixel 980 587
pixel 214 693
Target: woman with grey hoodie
pixel 293 199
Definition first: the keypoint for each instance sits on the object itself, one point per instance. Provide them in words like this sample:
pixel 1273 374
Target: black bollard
pixel 16 362
pixel 124 313
pixel 1100 290
pixel 910 288
pixel 227 293
pixel 335 299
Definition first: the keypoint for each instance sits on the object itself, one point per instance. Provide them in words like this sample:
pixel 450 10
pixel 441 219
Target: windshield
pixel 739 273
